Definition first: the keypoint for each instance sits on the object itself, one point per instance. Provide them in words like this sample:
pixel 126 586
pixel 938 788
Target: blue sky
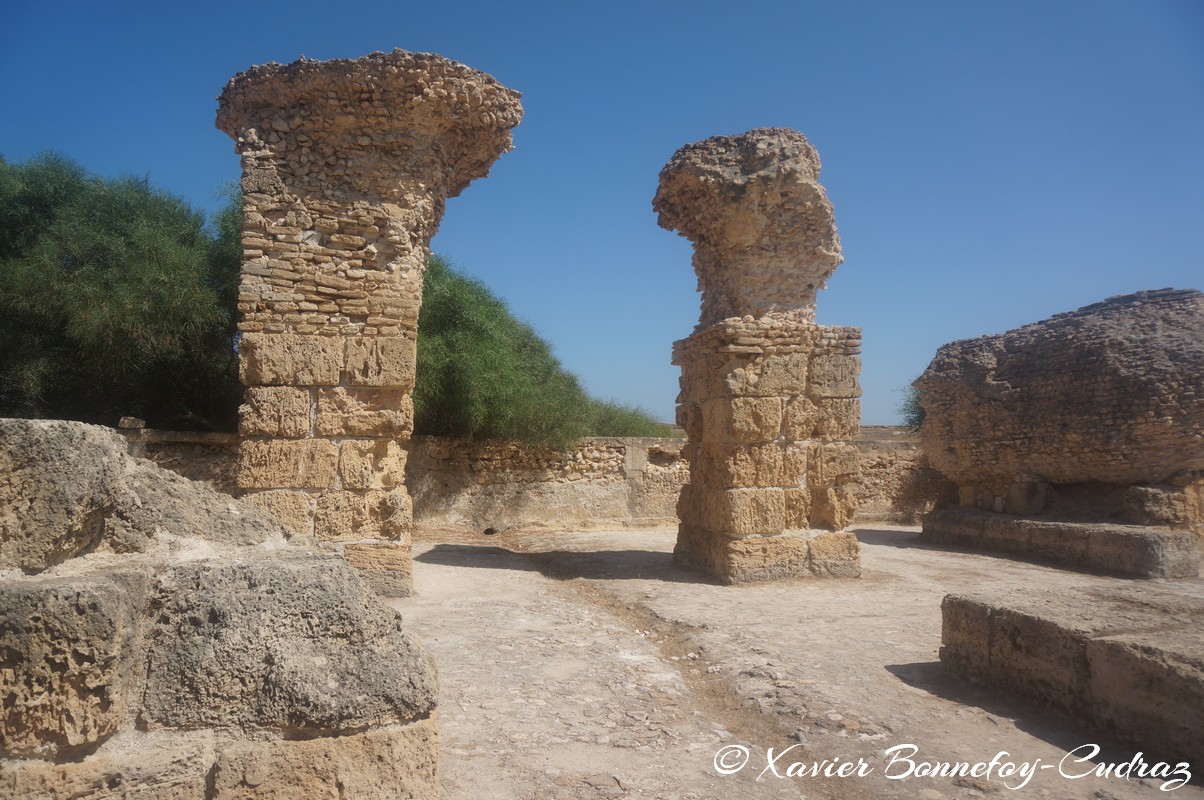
pixel 990 163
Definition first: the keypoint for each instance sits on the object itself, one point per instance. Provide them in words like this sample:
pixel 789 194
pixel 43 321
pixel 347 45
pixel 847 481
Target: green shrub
pixel 482 374
pixel 115 299
pixel 910 409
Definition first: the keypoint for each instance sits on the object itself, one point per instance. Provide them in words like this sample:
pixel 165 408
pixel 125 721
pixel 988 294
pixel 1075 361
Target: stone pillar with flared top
pixel 769 399
pixel 346 167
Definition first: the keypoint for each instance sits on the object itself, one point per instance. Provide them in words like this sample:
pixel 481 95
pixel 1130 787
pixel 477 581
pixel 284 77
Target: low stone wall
pixel 605 482
pixel 1127 660
pixel 1135 551
pixel 894 482
pixel 199 456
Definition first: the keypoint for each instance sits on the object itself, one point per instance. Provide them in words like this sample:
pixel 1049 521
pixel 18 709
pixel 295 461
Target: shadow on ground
pixel 1058 729
pixel 567 564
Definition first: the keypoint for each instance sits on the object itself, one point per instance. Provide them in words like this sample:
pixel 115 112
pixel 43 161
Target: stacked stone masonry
pixel 347 165
pixel 768 397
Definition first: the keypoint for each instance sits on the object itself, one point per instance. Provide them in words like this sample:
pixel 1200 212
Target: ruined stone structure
pixel 1106 400
pixel 1092 416
pixel 346 168
pixel 767 395
pixel 159 639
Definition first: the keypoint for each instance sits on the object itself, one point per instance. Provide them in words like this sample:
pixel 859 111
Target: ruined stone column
pixel 346 168
pixel 767 395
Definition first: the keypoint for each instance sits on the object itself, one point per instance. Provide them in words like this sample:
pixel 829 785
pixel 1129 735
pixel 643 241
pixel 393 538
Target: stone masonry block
pixel 832 507
pixel 735 512
pixel 834 554
pixel 742 419
pixel 387 567
pixel 749 466
pixel 285 359
pixel 1142 687
pixel 293 510
pixel 348 516
pixel 800 419
pixel 275 411
pixel 68 661
pixel 378 464
pixel 287 464
pixel 832 464
pixel 835 376
pixel 837 418
pixel 382 361
pixel 798 509
pixel 358 411
pixel 782 375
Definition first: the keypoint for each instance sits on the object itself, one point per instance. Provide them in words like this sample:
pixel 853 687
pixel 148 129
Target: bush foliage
pixel 483 374
pixel 910 409
pixel 117 299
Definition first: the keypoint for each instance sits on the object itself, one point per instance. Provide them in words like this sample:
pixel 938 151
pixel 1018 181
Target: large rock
pixel 67 659
pixel 1111 394
pixel 294 642
pixel 58 482
pixel 166 624
pixel 67 489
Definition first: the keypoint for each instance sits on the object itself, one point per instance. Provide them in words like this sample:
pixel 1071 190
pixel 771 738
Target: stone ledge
pixel 1130 550
pixel 1129 661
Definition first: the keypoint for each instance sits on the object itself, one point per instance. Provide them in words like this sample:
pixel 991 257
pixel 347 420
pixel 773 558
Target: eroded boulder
pixel 53 505
pixel 294 642
pixel 68 659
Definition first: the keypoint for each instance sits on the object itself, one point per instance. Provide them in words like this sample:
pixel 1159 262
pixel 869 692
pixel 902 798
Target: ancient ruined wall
pixel 767 395
pixel 894 481
pixel 346 168
pixel 1096 413
pixel 600 483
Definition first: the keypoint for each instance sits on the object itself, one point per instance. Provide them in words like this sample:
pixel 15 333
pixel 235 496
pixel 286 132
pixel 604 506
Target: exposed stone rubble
pixel 157 636
pixel 1128 660
pixel 1096 415
pixel 768 398
pixel 347 165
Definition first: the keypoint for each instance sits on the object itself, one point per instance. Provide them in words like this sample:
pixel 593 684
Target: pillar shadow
pixel 567 564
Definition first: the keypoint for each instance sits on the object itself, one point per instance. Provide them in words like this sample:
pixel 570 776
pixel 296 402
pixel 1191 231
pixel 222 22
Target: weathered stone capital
pixel 763 230
pixel 355 124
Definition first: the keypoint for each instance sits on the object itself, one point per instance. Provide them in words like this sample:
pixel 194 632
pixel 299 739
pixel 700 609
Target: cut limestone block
pixel 1128 660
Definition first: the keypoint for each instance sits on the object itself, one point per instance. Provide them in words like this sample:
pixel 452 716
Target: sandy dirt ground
pixel 584 665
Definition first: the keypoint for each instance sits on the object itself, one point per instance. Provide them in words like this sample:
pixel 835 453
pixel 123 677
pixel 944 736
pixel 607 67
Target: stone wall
pixel 602 483
pixel 894 481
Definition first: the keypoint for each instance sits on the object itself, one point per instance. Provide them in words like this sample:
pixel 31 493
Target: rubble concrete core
pixel 769 399
pixel 346 168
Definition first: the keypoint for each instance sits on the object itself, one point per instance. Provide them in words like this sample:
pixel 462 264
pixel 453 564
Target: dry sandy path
pixel 583 665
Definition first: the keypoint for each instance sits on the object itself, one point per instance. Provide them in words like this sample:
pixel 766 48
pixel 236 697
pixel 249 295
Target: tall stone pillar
pixel 767 395
pixel 346 168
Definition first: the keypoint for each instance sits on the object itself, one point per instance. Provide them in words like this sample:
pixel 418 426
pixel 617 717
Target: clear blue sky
pixel 991 163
